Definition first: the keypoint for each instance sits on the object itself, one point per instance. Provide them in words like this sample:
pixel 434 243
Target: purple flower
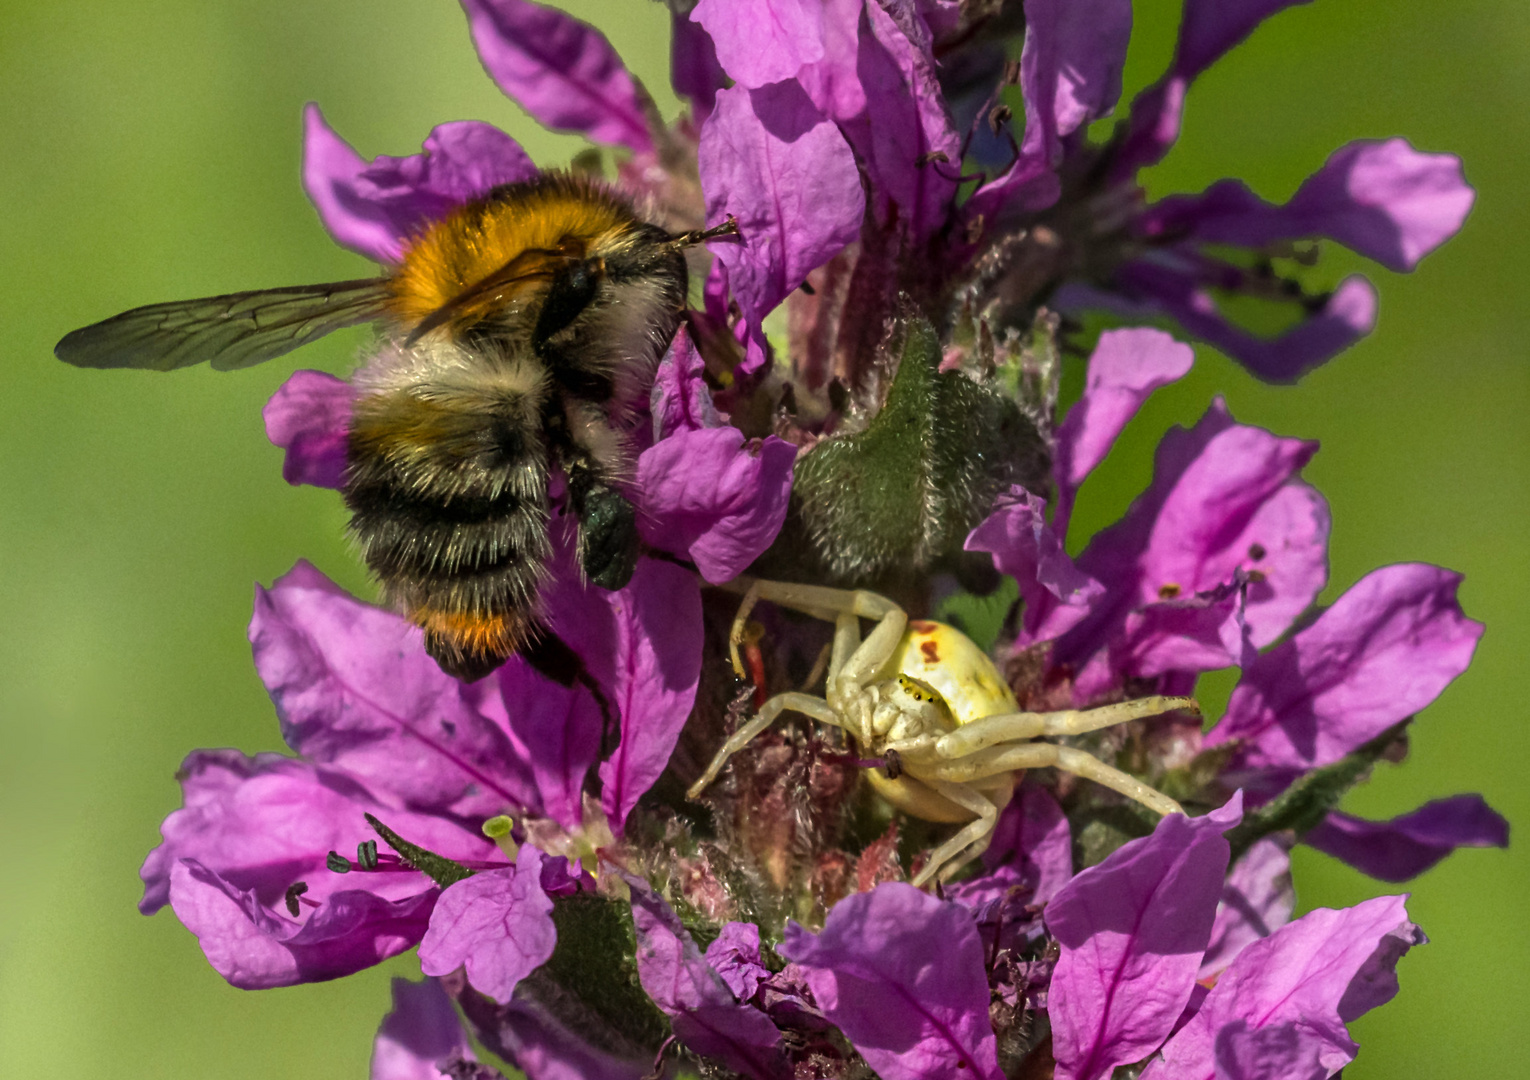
pixel 901 974
pixel 1133 930
pixel 1289 996
pixel 383 731
pixel 1257 899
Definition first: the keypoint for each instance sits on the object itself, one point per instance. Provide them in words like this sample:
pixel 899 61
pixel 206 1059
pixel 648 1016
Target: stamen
pixel 366 854
pixel 337 863
pixel 295 890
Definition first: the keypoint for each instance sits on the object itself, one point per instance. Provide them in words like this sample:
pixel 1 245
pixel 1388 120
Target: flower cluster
pixel 573 914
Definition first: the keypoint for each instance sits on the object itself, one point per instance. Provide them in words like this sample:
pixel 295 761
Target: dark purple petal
pixel 735 955
pixel 354 689
pixel 309 416
pixel 1257 899
pixel 560 70
pixel 704 1014
pixel 764 41
pixel 1160 288
pixel 693 68
pixel 901 974
pixel 1384 200
pixel 497 924
pixel 374 207
pixel 1125 368
pixel 1057 594
pixel 1032 848
pixel 1132 931
pixel 1318 973
pixel 1070 68
pixel 1203 518
pixel 714 497
pixel 1208 29
pixel 267 822
pixel 421 1034
pixel 680 400
pixel 643 645
pixel 772 160
pixel 1406 846
pixel 255 949
pixel 1383 651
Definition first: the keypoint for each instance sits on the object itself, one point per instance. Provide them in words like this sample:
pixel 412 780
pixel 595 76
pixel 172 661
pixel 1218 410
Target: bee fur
pixel 456 431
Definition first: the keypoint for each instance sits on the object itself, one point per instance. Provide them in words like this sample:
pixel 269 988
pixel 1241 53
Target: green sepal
pixel 1303 805
pixel 438 868
pixel 900 496
pixel 591 982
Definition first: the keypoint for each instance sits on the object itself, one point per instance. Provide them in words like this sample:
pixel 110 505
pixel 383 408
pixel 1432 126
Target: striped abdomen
pixel 447 483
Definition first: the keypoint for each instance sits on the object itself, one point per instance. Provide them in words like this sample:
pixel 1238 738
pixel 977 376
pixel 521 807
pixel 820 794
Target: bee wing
pixel 232 331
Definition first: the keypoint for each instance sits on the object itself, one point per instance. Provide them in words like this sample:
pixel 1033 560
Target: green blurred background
pixel 150 151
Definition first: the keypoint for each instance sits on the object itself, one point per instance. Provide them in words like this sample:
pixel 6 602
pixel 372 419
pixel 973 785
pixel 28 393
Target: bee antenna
pixel 701 236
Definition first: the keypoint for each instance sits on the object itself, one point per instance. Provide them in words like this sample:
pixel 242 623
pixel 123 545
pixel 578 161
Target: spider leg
pixel 979 832
pixel 1012 727
pixel 815 707
pixel 1042 755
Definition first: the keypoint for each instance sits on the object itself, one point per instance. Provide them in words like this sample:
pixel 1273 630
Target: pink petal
pixel 772 160
pixel 1070 68
pixel 1032 848
pixel 255 949
pixel 1057 594
pixel 763 41
pixel 1257 899
pixel 901 974
pixel 309 416
pixel 709 495
pixel 705 1015
pixel 560 70
pixel 1319 972
pixel 1383 651
pixel 497 923
pixel 1132 931
pixel 693 68
pixel 643 644
pixel 421 1033
pixel 354 689
pixel 375 207
pixel 1125 368
pixel 1384 200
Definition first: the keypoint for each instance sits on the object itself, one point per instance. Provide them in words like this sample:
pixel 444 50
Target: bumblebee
pixel 514 334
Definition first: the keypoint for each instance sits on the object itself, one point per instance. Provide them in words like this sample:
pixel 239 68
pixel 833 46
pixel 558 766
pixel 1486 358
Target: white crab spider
pixel 923 693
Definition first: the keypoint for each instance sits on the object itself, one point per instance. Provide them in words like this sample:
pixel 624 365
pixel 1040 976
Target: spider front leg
pixel 1041 755
pixel 815 707
pixel 853 661
pixel 1014 727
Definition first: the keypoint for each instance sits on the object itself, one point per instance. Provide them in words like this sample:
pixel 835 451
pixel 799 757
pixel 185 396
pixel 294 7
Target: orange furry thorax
pixel 541 222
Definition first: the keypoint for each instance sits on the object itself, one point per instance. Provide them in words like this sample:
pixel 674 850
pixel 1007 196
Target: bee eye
pixel 570 293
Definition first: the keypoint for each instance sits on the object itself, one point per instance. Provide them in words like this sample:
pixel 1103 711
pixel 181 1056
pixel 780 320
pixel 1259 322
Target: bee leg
pixel 608 536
